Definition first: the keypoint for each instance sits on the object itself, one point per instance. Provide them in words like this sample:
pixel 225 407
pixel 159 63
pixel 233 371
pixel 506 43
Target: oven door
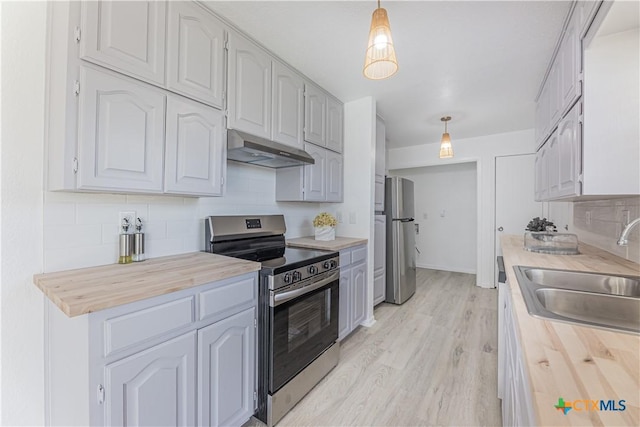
pixel 303 324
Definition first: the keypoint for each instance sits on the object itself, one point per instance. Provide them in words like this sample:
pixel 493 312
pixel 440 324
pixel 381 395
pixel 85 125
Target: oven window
pixel 308 318
pixel 300 330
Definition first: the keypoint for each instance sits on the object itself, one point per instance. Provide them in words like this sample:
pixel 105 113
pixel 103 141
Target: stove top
pixel 294 258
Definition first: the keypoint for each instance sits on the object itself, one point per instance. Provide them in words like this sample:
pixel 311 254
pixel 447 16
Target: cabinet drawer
pixel 359 254
pixel 130 329
pixel 345 258
pixel 228 298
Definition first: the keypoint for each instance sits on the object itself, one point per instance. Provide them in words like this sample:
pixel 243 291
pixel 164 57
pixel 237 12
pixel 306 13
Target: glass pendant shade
pixel 380 60
pixel 446 150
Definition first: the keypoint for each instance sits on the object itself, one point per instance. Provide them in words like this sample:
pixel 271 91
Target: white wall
pixel 23 52
pixel 359 170
pixel 445 211
pixel 483 150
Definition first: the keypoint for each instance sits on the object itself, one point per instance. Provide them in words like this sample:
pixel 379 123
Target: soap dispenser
pixel 125 242
pixel 138 242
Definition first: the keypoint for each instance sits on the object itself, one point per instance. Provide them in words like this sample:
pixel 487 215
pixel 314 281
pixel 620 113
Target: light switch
pixel 352 217
pixel 442 213
pixel 425 216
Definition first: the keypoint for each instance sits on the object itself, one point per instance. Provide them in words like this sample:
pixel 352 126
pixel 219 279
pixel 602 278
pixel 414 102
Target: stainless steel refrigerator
pixel 401 240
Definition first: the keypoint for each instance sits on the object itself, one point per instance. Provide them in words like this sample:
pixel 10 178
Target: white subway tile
pixel 59 214
pixel 80 257
pixel 72 236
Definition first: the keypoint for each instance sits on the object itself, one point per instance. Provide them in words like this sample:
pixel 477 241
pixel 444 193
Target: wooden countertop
pixel 86 290
pixel 571 361
pixel 328 245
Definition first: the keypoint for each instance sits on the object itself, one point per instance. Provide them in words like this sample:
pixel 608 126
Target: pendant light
pixel 446 150
pixel 380 60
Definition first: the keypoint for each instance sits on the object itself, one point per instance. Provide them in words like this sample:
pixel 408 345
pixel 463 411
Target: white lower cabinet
pixel 180 359
pixel 226 370
pixel 353 289
pixel 154 387
pixel 513 386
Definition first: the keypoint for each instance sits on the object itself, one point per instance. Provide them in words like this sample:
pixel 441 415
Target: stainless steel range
pixel 298 307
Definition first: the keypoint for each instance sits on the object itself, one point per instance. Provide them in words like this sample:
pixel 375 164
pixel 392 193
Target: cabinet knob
pixel 501 229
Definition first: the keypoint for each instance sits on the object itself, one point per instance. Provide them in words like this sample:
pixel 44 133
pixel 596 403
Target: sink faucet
pixel 622 241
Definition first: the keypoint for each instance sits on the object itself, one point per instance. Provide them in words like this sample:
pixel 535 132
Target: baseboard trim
pixel 447 268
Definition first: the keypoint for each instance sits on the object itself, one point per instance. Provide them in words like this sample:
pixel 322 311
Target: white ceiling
pixel 480 62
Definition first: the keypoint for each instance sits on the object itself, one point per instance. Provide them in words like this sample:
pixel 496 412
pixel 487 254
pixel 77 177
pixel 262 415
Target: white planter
pixel 325 233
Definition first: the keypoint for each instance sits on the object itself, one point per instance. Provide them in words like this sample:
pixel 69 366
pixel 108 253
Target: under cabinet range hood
pixel 245 148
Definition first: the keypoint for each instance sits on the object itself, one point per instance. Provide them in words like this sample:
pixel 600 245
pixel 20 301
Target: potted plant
pixel 325 226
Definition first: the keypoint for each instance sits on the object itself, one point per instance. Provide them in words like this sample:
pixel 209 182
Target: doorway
pixel 515 198
pixel 446 216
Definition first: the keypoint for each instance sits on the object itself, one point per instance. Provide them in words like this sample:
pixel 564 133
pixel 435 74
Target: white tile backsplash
pixel 607 223
pixel 86 225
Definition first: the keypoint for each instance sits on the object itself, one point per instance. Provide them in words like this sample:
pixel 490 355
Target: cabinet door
pixel 344 315
pixel 315 181
pixel 554 93
pixel 195 148
pixel 195 53
pixel 154 387
pixel 334 176
pixel 288 106
pixel 125 36
pixel 226 369
pixel 335 121
pixel 315 115
pixel 569 153
pixel 121 133
pixel 541 172
pixel 569 57
pixel 379 258
pixel 380 148
pixel 249 87
pixel 552 166
pixel 358 294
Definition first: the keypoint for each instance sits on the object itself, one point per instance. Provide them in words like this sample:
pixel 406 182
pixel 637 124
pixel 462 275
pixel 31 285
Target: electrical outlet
pixel 131 215
pixel 339 217
pixel 588 217
pixel 425 216
pixel 352 217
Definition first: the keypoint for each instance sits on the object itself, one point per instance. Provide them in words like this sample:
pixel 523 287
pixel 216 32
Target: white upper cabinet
pixel 128 37
pixel 323 118
pixel 195 53
pixel 334 176
pixel 249 87
pixel 320 182
pixel 315 115
pixel 288 106
pixel 315 181
pixel 541 174
pixel 335 121
pixel 195 158
pixel 380 164
pixel 120 135
pixel 569 60
pixel 570 153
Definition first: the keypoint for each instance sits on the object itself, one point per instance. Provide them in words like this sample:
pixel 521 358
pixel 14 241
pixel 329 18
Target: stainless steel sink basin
pixel 588 282
pixel 599 300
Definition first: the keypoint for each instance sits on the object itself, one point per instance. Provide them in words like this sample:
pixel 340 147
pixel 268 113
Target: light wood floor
pixel 431 361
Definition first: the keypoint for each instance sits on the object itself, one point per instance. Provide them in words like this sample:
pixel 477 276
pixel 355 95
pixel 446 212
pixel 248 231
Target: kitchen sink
pixel 600 300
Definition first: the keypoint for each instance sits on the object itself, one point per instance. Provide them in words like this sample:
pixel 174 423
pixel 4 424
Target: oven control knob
pixel 287 278
pixel 326 265
pixel 297 276
pixel 334 264
pixel 313 269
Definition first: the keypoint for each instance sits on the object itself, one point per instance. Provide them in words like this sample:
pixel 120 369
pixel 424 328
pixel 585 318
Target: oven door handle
pixel 278 299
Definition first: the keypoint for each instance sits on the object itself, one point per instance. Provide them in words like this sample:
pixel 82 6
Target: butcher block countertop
pixel 86 290
pixel 326 245
pixel 571 361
